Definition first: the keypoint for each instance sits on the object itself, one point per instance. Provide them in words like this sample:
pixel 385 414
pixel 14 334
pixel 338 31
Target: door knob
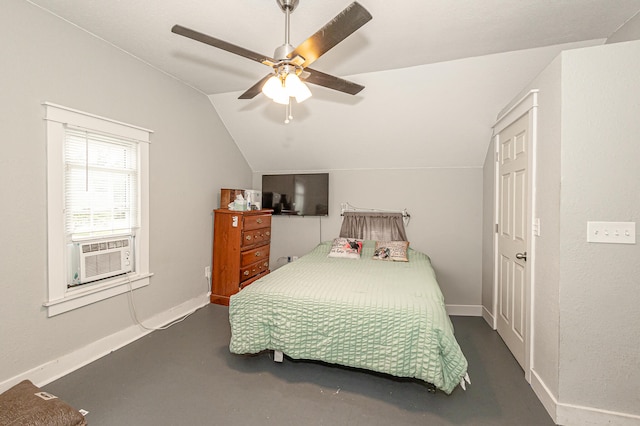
pixel 522 256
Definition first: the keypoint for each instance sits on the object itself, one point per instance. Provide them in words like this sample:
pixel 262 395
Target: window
pixel 97 187
pixel 100 184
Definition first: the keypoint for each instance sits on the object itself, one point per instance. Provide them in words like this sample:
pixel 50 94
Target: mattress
pixel 383 316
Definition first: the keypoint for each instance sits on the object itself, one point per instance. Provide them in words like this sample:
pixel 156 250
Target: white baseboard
pixel 464 310
pixel 54 369
pixel 544 394
pixel 489 318
pixel 576 415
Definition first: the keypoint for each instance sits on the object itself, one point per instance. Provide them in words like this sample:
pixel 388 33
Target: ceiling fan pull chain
pixel 290 109
pixel 288 116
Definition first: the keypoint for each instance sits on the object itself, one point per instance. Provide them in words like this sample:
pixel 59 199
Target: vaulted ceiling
pixel 436 72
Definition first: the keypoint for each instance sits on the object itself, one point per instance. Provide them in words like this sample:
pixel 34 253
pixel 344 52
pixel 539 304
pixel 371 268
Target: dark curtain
pixel 376 226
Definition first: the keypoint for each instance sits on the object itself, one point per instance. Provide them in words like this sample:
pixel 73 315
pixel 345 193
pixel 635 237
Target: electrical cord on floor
pixel 134 314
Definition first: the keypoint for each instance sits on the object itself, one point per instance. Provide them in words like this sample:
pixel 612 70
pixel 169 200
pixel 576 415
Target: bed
pixel 383 316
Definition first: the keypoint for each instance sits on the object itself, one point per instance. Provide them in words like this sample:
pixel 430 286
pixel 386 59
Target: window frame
pixel 61 299
pixel 101 184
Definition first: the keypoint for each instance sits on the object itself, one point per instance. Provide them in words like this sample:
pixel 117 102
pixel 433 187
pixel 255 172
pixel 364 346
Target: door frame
pixel 528 104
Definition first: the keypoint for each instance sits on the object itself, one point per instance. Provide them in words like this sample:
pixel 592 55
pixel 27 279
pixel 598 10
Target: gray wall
pixel 192 156
pixel 586 321
pixel 446 212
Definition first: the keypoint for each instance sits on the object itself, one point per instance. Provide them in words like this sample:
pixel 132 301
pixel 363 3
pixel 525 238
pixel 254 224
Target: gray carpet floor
pixel 185 375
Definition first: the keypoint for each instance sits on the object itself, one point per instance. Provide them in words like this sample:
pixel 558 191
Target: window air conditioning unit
pixel 93 260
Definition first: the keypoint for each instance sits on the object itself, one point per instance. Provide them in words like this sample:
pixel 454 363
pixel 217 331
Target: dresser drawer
pixel 243 284
pixel 257 254
pixel 256 236
pixel 257 221
pixel 254 269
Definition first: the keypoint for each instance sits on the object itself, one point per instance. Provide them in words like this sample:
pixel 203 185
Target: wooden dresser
pixel 241 242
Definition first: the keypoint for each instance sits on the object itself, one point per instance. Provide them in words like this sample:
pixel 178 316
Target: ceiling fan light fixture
pixel 304 94
pixel 289 61
pixel 282 86
pixel 296 88
pixel 275 90
pixel 282 98
pixel 273 87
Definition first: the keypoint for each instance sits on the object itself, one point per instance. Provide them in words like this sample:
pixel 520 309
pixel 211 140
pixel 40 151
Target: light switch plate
pixel 611 232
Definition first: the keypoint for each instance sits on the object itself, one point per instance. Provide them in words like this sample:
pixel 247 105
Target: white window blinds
pixel 101 184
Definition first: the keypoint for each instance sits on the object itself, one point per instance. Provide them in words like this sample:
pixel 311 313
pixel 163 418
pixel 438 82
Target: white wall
pixel 586 321
pixel 546 322
pixel 192 156
pixel 446 211
pixel 488 233
pixel 599 283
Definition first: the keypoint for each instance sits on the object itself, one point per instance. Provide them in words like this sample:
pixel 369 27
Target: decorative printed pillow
pixel 391 250
pixel 347 248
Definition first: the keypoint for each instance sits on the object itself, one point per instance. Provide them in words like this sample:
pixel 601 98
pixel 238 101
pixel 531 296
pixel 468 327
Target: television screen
pixel 296 194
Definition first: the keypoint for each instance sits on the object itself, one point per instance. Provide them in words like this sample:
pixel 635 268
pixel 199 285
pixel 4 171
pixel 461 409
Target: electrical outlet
pixel 207 271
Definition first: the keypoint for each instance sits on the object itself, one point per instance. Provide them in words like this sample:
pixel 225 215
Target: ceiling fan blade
pixel 332 82
pixel 221 44
pixel 344 24
pixel 256 88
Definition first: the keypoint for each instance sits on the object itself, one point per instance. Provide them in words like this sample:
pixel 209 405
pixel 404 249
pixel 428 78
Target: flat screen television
pixel 296 194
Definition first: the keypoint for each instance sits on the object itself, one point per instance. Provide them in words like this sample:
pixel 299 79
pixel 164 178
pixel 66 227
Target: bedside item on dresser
pixel 254 198
pixel 241 243
pixel 228 196
pixel 239 204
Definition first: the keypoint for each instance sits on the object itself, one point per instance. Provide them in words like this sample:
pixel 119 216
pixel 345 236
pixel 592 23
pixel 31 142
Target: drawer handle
pixel 259 220
pixel 258 254
pixel 266 264
pixel 248 237
pixel 268 233
pixel 246 272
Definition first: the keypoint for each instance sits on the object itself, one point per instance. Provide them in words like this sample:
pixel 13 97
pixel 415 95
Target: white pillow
pixel 347 248
pixel 391 250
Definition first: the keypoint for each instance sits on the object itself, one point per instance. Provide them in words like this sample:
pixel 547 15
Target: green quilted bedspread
pixel 378 315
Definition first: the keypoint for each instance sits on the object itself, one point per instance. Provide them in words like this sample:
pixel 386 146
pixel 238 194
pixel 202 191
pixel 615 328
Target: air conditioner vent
pixel 99 259
pixel 104 245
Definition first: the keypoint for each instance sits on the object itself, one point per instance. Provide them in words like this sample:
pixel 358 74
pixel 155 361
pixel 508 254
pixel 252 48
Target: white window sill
pixel 78 297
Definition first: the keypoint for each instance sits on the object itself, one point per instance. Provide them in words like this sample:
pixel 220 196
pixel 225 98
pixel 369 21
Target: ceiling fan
pixel 291 65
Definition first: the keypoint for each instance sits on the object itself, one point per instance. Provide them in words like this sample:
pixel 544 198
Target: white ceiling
pixel 426 113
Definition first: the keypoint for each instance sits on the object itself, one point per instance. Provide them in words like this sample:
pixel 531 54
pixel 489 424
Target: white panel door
pixel 513 146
